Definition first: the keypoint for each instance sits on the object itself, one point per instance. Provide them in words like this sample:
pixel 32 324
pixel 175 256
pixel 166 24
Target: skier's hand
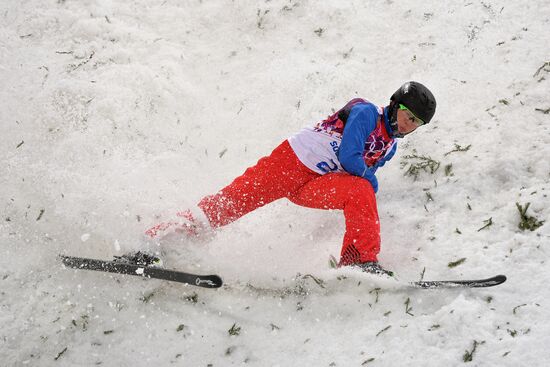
pixel 374 182
pixel 369 175
pixel 188 222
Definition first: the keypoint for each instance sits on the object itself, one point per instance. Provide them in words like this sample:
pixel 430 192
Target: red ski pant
pixel 282 175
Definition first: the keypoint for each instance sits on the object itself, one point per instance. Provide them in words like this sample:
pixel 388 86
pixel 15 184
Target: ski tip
pixel 500 278
pixel 209 281
pixel 66 260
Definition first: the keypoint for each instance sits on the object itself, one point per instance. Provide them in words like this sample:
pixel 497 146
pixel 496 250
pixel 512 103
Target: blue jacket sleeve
pixel 359 125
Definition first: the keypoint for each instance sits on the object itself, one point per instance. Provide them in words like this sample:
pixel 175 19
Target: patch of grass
pixel 543 110
pixel 376 291
pixel 449 170
pixel 408 307
pixel 456 263
pixel 487 223
pixel 434 327
pixel 415 164
pixel 318 281
pixel 458 148
pixel 527 222
pixel 544 67
pixel 60 354
pixel 235 330
pixel 517 307
pixel 469 355
pixel 147 297
pixel 384 329
pixel 194 298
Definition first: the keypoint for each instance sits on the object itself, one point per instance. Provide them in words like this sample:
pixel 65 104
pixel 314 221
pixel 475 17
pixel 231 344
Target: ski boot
pixel 373 267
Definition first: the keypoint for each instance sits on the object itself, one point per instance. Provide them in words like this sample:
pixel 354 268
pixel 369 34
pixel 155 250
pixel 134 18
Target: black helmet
pixel 417 98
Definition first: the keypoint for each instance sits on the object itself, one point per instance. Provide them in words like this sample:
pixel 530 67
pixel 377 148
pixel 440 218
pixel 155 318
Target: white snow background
pixel 113 112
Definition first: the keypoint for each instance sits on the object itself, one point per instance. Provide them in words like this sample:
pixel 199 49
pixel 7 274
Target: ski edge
pixel 204 281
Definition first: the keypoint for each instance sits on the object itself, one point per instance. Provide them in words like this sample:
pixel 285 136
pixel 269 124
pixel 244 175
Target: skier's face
pixel 406 123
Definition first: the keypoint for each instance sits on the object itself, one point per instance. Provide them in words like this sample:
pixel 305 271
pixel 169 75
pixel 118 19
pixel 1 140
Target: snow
pixel 116 112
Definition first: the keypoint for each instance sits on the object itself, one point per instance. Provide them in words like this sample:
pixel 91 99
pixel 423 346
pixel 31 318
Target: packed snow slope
pixel 115 112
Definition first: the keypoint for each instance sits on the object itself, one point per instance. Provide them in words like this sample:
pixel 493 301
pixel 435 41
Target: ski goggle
pixel 411 115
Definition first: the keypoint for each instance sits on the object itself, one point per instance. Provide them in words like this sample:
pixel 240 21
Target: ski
pixel 205 281
pixel 434 284
pixel 476 283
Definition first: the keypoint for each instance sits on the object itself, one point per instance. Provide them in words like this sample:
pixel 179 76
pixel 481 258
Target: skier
pixel 330 165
